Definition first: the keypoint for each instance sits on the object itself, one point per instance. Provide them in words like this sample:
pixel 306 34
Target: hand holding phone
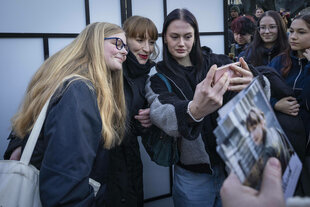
pixel 226 68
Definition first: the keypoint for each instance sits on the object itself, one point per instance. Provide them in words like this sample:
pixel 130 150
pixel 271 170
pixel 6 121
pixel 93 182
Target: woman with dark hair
pixel 294 66
pixel 189 112
pixel 243 28
pixel 270 40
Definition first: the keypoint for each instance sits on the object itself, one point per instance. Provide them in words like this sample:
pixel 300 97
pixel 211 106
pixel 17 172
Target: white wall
pixel 21 57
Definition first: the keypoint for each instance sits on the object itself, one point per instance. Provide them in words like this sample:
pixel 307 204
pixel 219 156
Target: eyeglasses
pixel 271 28
pixel 118 43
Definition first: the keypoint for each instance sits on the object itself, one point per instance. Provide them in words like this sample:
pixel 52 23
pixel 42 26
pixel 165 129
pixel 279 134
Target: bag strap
pixel 37 127
pixel 34 135
pixel 163 78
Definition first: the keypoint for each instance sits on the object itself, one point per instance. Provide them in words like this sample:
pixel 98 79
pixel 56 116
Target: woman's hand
pixel 245 77
pixel 16 155
pixel 144 117
pixel 307 54
pixel 208 97
pixel 288 105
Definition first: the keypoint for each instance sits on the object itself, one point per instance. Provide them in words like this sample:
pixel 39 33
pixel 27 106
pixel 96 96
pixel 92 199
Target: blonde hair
pixel 84 57
pixel 138 26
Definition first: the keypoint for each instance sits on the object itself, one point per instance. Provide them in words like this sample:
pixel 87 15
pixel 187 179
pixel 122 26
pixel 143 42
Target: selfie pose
pixel 189 111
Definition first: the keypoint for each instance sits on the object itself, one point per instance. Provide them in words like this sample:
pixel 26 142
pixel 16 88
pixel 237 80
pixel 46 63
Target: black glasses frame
pixel 259 28
pixel 118 46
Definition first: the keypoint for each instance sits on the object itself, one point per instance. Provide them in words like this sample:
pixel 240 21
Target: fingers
pixel 244 64
pixel 144 117
pixel 144 111
pixel 234 194
pixel 272 183
pixel 307 54
pixel 218 86
pixel 243 70
pixel 290 98
pixel 16 154
pixel 242 78
pixel 225 87
pixel 210 75
pixel 239 83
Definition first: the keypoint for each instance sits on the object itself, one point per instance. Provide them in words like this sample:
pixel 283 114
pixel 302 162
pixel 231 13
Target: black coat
pixel 69 149
pixel 125 180
pixel 183 86
pixel 292 125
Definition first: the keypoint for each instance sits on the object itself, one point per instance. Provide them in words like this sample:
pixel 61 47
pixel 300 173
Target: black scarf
pixel 186 76
pixel 133 69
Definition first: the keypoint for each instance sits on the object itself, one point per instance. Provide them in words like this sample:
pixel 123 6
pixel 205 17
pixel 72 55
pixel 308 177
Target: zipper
pixel 177 87
pixel 299 63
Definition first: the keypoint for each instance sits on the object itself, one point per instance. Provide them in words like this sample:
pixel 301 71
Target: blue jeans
pixel 197 189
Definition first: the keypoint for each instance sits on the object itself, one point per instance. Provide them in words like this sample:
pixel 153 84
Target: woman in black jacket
pixel 85 118
pixel 189 112
pixel 125 181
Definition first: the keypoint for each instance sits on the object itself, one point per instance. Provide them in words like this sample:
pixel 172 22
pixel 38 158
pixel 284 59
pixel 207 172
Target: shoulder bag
pixel 161 147
pixel 19 180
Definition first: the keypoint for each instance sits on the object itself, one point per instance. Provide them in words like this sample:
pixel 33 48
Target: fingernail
pixel 274 162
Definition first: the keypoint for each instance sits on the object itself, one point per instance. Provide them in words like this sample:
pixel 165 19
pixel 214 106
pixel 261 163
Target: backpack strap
pixel 163 78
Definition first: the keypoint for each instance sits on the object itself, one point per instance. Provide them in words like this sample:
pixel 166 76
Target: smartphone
pixel 221 70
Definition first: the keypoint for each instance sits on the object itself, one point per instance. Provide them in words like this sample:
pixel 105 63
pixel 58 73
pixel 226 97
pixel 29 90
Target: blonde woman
pixel 86 115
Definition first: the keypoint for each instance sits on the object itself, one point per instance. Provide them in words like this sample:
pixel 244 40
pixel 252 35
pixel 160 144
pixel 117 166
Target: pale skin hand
pixel 288 105
pixel 208 97
pixel 307 54
pixel 234 194
pixel 16 154
pixel 144 117
pixel 239 83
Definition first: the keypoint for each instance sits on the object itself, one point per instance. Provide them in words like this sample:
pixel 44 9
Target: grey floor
pixel 167 202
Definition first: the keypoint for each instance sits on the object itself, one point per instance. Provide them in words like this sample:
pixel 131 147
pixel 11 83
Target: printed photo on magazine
pixel 249 133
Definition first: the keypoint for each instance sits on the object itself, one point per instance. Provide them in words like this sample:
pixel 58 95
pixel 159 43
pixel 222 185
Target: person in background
pixel 85 118
pixel 125 181
pixel 270 40
pixel 286 16
pixel 294 66
pixel 243 28
pixel 304 11
pixel 234 13
pixel 189 112
pixel 258 13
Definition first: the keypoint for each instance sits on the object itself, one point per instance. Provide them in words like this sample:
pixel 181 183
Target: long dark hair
pixel 287 61
pixel 195 54
pixel 256 48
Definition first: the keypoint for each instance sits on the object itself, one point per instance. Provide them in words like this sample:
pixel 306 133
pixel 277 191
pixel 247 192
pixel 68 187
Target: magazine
pixel 249 133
